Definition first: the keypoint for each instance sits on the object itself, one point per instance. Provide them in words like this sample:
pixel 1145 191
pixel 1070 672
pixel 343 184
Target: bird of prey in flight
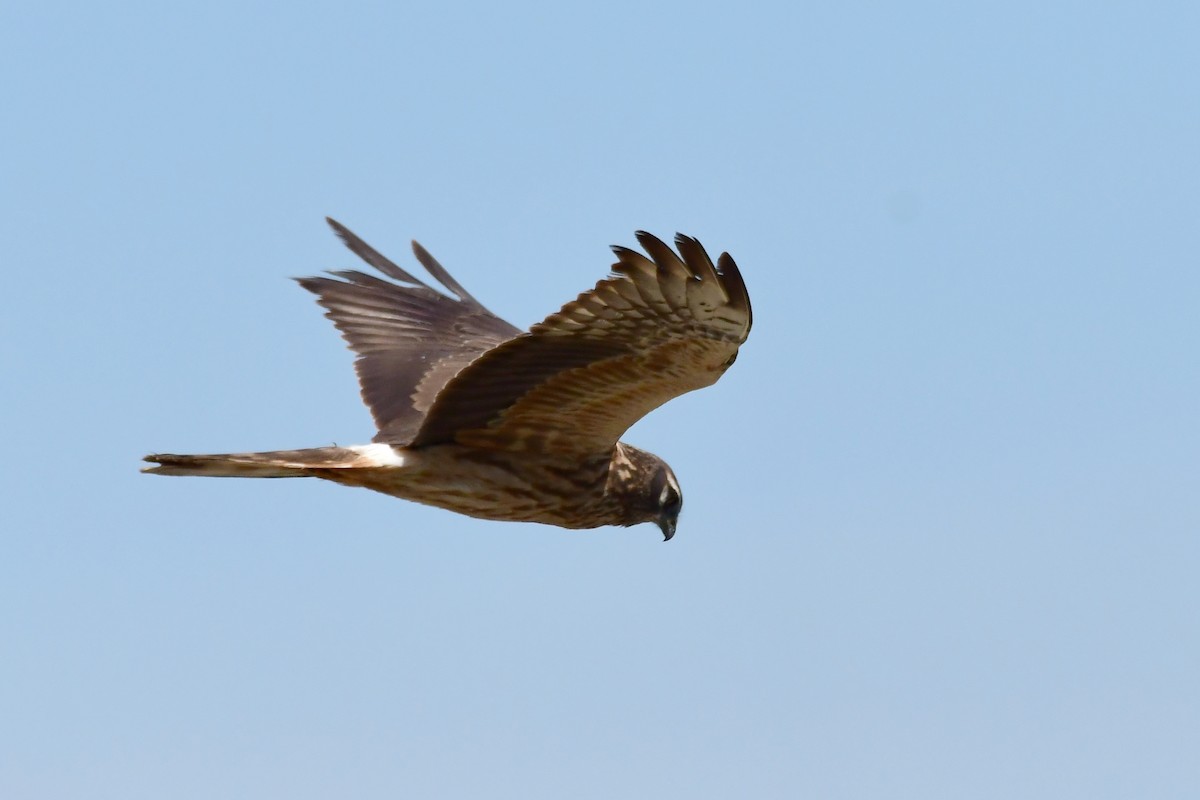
pixel 478 417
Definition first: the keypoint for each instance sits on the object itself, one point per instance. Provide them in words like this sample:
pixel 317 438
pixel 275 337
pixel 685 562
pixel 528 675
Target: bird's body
pixel 478 418
pixel 480 483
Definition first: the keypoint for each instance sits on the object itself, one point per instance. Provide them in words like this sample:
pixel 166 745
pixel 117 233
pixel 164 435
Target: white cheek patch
pixel 379 455
pixel 671 486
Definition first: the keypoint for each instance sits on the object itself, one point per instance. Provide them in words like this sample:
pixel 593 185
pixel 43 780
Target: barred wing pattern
pixel 657 328
pixel 410 339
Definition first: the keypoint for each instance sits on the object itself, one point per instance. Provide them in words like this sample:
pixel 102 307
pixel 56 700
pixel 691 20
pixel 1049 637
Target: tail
pixel 277 464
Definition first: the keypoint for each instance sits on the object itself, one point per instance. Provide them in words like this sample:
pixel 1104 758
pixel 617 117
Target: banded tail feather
pixel 273 464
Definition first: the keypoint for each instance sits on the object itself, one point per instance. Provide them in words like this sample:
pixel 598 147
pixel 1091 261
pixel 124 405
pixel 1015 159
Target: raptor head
pixel 665 489
pixel 646 488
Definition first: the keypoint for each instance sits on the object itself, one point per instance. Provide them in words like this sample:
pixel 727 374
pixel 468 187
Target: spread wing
pixel 656 328
pixel 410 339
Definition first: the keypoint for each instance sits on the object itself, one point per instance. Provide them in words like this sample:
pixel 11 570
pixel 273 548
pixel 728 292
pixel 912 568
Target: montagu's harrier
pixel 477 417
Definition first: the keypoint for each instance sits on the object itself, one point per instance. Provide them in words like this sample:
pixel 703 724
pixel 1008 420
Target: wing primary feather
pixel 664 257
pixel 643 275
pixel 696 258
pixel 735 287
pixel 410 337
pixel 438 271
pixel 371 255
pixel 674 279
pixel 632 261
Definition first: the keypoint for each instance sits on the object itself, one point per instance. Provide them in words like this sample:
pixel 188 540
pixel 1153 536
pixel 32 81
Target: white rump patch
pixel 379 455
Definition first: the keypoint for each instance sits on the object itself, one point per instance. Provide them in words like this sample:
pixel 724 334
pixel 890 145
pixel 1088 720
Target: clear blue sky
pixel 941 536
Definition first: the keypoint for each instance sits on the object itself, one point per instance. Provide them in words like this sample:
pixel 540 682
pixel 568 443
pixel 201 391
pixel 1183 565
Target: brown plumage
pixel 477 417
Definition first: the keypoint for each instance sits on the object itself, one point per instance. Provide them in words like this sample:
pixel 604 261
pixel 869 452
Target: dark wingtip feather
pixel 338 227
pixel 663 256
pixel 310 283
pixel 695 261
pixel 371 255
pixel 434 268
pixel 735 287
pixel 696 258
pixel 648 240
pixel 389 268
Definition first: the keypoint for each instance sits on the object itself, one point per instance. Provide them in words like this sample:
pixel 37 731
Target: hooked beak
pixel 667 525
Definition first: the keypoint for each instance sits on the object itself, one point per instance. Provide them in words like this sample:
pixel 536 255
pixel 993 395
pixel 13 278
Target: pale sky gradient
pixel 941 533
